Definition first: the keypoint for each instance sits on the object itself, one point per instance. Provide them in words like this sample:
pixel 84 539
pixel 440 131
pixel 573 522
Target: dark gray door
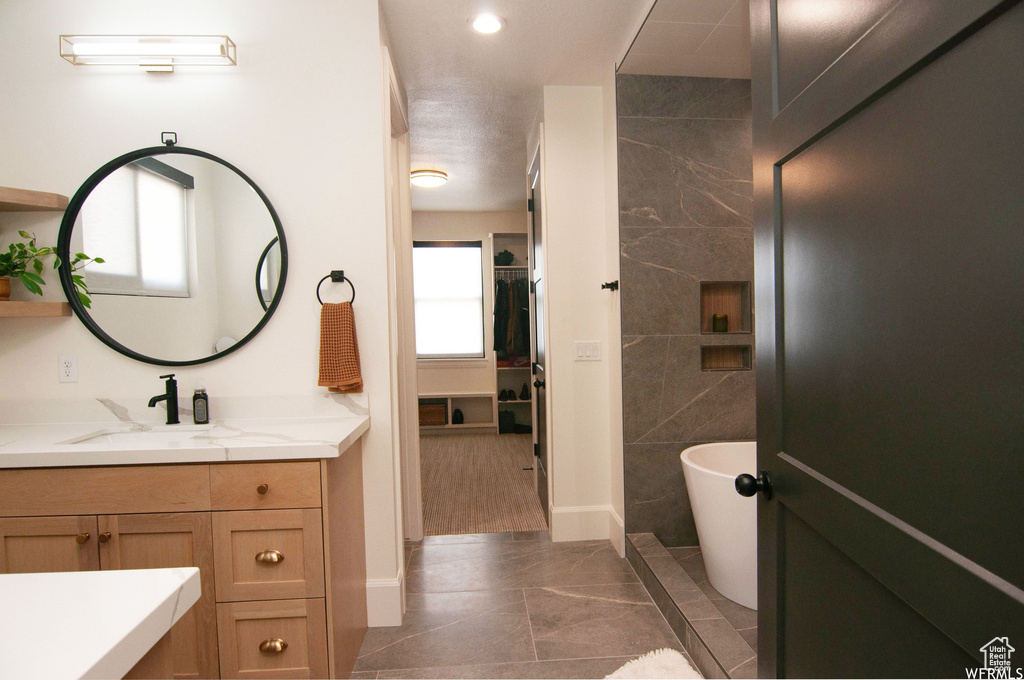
pixel 539 377
pixel 889 174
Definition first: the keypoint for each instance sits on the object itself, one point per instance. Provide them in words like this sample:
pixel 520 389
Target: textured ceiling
pixel 474 98
pixel 704 38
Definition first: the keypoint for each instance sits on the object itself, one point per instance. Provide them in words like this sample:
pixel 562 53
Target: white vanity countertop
pixel 88 624
pixel 105 432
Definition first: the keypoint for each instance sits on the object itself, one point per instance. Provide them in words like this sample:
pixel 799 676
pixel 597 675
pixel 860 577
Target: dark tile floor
pixel 744 620
pixel 515 605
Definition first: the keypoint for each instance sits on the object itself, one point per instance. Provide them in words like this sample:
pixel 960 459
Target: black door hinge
pixel 529 204
pixel 536 451
pixel 533 287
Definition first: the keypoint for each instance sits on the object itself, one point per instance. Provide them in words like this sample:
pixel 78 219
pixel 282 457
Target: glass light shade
pixel 151 52
pixel 487 23
pixel 428 178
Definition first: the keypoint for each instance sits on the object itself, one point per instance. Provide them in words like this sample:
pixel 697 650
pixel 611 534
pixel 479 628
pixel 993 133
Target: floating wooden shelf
pixel 23 200
pixel 725 358
pixel 18 308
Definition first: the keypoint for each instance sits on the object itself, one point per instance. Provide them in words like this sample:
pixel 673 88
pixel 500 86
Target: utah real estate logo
pixel 997 652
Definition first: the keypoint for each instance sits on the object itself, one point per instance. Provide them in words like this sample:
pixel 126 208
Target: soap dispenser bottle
pixel 200 407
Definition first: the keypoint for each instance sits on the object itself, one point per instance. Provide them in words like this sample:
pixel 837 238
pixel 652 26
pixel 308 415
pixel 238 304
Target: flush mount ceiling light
pixel 487 23
pixel 150 52
pixel 428 178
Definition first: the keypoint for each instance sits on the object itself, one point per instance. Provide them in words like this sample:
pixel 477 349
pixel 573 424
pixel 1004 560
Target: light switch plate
pixel 588 350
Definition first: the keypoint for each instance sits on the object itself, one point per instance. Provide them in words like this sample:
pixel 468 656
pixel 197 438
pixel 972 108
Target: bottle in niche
pixel 200 407
pixel 719 323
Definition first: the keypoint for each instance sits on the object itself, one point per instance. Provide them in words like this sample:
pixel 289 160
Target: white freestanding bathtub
pixel 726 521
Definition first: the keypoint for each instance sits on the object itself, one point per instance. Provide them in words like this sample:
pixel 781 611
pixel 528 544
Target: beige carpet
pixel 475 484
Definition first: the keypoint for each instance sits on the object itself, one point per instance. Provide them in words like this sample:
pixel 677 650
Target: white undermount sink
pixel 160 436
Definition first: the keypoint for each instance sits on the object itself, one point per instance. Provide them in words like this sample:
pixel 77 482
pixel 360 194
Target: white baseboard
pixel 581 523
pixel 617 531
pixel 385 601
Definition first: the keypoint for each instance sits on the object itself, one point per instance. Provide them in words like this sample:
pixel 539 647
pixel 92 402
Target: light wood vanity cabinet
pixel 274 604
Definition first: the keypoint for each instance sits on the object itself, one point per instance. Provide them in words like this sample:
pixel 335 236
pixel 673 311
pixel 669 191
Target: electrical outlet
pixel 67 368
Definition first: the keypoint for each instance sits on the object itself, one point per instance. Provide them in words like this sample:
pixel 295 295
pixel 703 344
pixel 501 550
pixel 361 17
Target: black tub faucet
pixel 171 396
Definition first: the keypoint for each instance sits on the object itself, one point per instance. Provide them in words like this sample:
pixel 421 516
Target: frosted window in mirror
pixel 138 219
pixel 448 290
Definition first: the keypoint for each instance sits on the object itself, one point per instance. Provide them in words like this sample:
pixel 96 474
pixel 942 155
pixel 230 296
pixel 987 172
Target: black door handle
pixel 538 384
pixel 748 485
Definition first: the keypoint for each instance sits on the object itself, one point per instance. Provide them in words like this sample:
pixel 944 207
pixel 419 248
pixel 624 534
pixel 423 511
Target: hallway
pixel 515 605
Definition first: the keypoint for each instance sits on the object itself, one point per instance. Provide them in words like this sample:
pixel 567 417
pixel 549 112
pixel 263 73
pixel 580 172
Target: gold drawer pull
pixel 262 489
pixel 273 646
pixel 82 538
pixel 269 556
pixel 104 537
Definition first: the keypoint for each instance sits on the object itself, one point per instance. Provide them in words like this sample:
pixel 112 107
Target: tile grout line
pixel 529 624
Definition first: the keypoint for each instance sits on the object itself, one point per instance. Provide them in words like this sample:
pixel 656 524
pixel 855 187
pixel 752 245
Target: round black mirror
pixel 179 231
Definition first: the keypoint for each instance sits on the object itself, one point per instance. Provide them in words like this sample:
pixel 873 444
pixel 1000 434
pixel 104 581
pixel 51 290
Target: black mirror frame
pixel 67 225
pixel 259 268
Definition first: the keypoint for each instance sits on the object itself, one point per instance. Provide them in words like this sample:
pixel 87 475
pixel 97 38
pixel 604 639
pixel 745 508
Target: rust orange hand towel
pixel 339 351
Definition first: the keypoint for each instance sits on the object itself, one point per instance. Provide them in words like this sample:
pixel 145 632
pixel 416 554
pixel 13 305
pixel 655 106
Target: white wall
pixel 441 377
pixel 578 232
pixel 301 115
pixel 613 353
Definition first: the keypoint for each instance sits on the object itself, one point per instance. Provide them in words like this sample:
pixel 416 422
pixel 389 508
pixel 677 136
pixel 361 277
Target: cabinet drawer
pixel 268 554
pixel 104 490
pixel 257 486
pixel 276 639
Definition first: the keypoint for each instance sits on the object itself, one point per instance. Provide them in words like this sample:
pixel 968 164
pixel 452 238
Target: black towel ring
pixel 336 276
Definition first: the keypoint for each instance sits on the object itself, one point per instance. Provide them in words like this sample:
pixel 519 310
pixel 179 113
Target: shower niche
pixel 725 310
pixel 730 299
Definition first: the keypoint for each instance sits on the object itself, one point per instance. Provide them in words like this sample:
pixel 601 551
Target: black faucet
pixel 171 396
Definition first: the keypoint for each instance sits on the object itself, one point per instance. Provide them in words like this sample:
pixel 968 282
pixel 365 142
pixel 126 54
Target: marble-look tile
pixel 468 538
pixel 531 535
pixel 685 173
pixel 364 675
pixel 516 564
pixel 725 411
pixel 749 635
pixel 644 363
pixel 728 647
pixel 655 493
pixel 573 622
pixel 668 96
pixel 660 270
pixel 667 398
pixel 646 543
pixel 573 668
pixel 691 560
pixel 452 629
pixel 748 669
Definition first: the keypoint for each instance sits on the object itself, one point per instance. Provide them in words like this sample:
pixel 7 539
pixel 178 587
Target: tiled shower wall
pixel 685 216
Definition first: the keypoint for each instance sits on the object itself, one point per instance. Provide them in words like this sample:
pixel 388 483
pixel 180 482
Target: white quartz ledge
pixel 104 432
pixel 89 624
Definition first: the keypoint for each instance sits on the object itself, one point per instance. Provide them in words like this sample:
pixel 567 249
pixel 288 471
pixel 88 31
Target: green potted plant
pixel 21 256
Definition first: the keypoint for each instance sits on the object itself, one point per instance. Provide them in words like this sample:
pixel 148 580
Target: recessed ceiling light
pixel 428 178
pixel 487 23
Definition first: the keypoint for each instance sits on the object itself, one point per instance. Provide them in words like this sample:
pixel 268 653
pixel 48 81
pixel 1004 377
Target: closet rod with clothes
pixel 512 315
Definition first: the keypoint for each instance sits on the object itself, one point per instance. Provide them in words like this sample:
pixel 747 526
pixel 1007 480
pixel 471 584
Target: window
pixel 136 219
pixel 449 292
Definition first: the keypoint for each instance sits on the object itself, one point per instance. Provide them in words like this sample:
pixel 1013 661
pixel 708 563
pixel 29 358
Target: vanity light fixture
pixel 153 53
pixel 428 178
pixel 487 23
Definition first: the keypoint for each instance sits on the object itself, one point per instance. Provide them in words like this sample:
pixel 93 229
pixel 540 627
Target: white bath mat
pixel 661 663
